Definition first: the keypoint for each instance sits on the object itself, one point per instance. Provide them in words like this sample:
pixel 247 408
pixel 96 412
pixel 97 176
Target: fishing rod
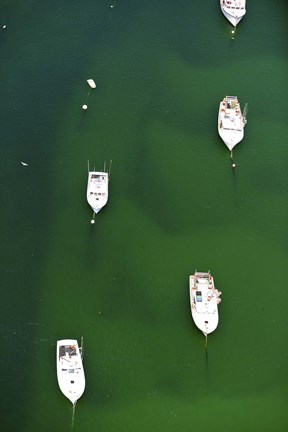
pixel 206 349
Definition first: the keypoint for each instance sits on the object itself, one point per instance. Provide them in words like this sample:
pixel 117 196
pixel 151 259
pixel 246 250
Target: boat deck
pixel 204 294
pixel 97 190
pixel 204 299
pixel 70 372
pixel 69 359
pixel 230 121
pixel 231 5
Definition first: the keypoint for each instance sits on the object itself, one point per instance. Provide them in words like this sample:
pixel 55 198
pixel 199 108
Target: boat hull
pixel 230 122
pixel 233 10
pixel 97 190
pixel 230 139
pixel 70 372
pixel 91 83
pixel 204 301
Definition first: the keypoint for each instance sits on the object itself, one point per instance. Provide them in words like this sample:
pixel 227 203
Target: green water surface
pixel 161 68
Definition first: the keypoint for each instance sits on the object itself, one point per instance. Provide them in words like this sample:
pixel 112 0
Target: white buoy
pixel 233 165
pixel 84 107
pixel 24 164
pixel 92 221
pixel 4 26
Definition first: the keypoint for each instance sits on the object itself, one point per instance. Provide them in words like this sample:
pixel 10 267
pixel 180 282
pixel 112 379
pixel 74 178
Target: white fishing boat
pixel 70 372
pixel 231 122
pixel 97 189
pixel 204 300
pixel 91 83
pixel 234 10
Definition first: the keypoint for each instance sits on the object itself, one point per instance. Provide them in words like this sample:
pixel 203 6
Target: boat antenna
pixel 93 219
pixel 82 347
pixel 245 112
pixel 88 166
pixel 104 170
pixel 110 167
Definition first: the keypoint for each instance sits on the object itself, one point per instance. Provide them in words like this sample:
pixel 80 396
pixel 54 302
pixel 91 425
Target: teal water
pixel 175 205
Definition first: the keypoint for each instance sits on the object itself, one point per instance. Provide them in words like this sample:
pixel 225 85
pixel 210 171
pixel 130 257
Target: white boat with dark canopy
pixel 70 372
pixel 204 300
pixel 233 10
pixel 231 122
pixel 97 189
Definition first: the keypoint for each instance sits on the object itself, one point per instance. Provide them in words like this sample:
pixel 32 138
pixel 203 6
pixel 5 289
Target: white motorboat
pixel 231 122
pixel 234 10
pixel 204 300
pixel 70 372
pixel 97 189
pixel 91 83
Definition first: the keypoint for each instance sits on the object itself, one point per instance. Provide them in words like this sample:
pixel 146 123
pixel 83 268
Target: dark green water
pixel 161 69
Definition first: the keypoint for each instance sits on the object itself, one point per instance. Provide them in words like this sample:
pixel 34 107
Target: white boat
pixel 231 122
pixel 234 10
pixel 70 372
pixel 97 189
pixel 91 83
pixel 204 300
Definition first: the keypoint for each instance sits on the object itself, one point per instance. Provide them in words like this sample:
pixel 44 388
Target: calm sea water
pixel 175 205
